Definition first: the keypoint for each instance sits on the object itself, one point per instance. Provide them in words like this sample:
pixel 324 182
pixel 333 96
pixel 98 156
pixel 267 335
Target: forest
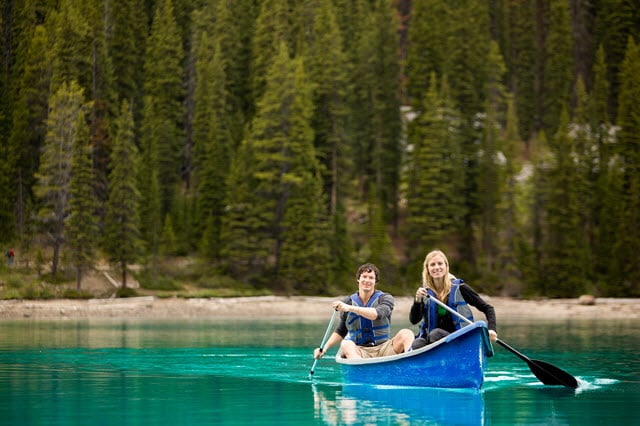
pixel 281 143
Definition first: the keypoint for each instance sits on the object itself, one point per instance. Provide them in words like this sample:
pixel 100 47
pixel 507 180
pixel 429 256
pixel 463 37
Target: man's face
pixel 367 281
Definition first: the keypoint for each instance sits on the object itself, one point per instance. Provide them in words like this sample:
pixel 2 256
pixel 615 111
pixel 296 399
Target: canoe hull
pixel 457 361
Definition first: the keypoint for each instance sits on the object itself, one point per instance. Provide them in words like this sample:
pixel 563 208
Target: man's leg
pixel 348 349
pixel 403 340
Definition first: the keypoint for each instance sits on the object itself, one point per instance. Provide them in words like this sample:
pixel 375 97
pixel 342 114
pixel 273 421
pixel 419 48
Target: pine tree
pixel 520 58
pixel 606 207
pixel 377 124
pixel 434 206
pixel 162 113
pixel 564 245
pixel 586 154
pixel 72 45
pixel 627 237
pixel 326 65
pixel 241 230
pixel 214 145
pixel 615 21
pixel 122 224
pixel 54 175
pixel 381 251
pixel 28 131
pixel 491 175
pixel 82 224
pixel 272 28
pixel 514 247
pixel 302 231
pixel 427 46
pixel 558 65
pixel 282 217
pixel 127 34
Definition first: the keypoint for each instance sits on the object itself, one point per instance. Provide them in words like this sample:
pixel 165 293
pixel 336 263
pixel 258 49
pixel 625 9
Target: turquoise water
pixel 236 373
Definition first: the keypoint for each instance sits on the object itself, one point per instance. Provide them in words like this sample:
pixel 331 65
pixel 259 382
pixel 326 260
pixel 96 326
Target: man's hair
pixel 368 267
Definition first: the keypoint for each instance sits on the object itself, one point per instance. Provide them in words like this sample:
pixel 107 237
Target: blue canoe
pixel 457 361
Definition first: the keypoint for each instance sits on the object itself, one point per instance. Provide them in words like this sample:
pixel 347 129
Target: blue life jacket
pixel 363 331
pixel 455 301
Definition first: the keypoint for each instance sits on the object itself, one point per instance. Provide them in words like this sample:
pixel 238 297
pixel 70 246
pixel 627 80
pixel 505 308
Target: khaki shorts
pixel 384 349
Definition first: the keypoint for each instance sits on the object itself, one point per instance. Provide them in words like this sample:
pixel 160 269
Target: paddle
pixel 548 374
pixel 324 341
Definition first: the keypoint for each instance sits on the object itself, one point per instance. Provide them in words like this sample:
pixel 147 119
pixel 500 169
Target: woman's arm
pixel 474 299
pixel 415 315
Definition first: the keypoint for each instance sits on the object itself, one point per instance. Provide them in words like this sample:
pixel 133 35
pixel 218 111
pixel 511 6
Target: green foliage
pixel 163 97
pixel 261 147
pixel 122 227
pixel 435 175
pixel 82 222
pixel 558 66
pixel 627 236
pixel 64 131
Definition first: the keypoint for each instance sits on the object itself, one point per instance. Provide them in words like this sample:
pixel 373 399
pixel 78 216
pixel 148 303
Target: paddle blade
pixel 551 375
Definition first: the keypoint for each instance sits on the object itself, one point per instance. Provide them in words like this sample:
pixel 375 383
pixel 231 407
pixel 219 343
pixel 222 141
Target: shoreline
pixel 294 307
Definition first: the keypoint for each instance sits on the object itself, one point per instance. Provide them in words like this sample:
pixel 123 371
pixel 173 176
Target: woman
pixel 438 322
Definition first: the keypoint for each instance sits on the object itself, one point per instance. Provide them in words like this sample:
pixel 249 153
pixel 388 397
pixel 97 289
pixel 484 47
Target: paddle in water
pixel 324 341
pixel 548 374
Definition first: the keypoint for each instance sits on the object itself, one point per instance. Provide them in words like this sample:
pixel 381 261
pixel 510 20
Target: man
pixel 365 321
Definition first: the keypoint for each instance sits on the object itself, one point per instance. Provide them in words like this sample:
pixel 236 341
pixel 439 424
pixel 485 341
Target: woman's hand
pixel 420 294
pixel 493 335
pixel 318 353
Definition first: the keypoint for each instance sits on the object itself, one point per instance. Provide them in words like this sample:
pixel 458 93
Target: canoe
pixel 456 361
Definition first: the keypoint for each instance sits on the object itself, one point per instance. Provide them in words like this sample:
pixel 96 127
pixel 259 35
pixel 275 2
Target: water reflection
pixel 365 404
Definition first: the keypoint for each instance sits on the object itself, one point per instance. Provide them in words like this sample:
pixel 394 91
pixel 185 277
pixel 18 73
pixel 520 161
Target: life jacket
pixel 455 301
pixel 363 331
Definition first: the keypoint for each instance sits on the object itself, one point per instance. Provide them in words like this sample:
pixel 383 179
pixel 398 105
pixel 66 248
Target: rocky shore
pixel 281 307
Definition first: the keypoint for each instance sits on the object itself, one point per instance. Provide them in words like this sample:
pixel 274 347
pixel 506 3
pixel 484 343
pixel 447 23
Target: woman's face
pixel 437 266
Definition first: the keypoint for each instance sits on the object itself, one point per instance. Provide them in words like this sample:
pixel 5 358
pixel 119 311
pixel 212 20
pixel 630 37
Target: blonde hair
pixel 427 280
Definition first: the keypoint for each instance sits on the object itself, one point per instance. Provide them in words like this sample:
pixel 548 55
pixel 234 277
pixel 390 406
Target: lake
pixel 223 372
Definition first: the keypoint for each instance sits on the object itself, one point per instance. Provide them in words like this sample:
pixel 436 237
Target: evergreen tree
pixel 303 242
pixel 163 114
pixel 586 154
pixel 558 65
pixel 427 46
pixel 168 240
pixel 272 28
pixel 380 245
pixel 243 223
pixel 434 204
pixel 520 58
pixel 150 207
pixel 214 143
pixel 82 224
pixel 627 237
pixel 378 124
pixel 327 67
pixel 27 133
pixel 234 30
pixel 104 99
pixel 491 162
pixel 615 21
pixel 514 247
pixel 564 245
pixel 66 113
pixel 126 45
pixel 606 208
pixel 122 225
pixel 72 45
pixel 285 204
